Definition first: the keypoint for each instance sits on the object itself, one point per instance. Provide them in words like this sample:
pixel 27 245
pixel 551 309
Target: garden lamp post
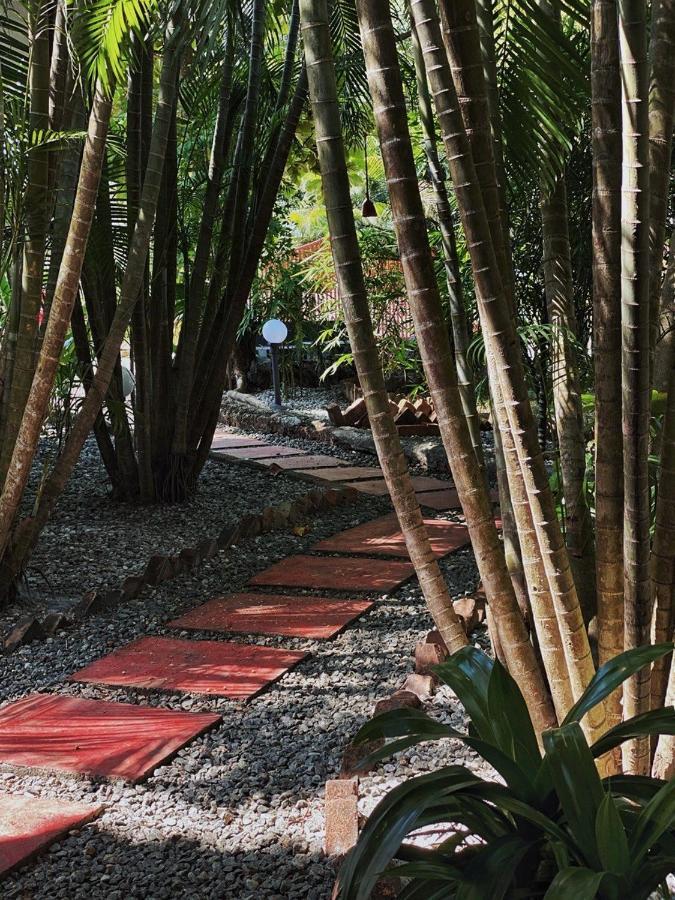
pixel 275 333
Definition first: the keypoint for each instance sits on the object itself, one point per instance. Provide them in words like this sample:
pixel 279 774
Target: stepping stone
pixel 378 488
pixel 226 441
pixel 29 825
pixel 261 451
pixel 94 737
pixel 426 483
pixel 302 462
pixel 236 671
pixel 307 617
pixel 346 473
pixel 384 536
pixel 439 500
pixel 330 573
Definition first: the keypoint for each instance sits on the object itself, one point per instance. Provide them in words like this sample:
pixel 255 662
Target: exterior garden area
pixel 337 449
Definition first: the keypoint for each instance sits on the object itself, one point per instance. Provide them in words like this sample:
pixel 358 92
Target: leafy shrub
pixel 554 829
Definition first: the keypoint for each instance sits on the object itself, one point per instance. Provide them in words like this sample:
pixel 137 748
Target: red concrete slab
pixel 384 536
pixel 262 451
pixel 338 574
pixel 29 825
pixel 224 441
pixel 308 617
pixel 441 500
pixel 426 483
pixel 302 462
pixel 376 487
pixel 94 737
pixel 347 473
pixel 237 671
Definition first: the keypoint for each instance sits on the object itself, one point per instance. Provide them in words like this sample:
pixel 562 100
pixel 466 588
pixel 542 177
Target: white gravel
pixel 238 813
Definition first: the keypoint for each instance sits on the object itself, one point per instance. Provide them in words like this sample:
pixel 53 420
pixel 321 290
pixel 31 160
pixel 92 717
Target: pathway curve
pixel 63 732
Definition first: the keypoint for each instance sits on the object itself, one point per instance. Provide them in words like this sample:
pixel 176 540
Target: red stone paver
pixel 378 487
pixel 384 536
pixel 237 671
pixel 263 451
pixel 94 737
pixel 347 473
pixel 225 441
pixel 339 574
pixel 302 462
pixel 29 825
pixel 308 617
pixel 426 483
pixel 439 500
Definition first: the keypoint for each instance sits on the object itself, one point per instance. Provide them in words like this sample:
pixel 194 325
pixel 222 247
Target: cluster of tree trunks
pixel 543 586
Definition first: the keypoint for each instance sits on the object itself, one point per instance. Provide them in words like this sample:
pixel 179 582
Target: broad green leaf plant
pixel 554 829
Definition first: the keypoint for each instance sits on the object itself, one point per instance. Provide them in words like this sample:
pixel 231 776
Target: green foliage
pixel 554 829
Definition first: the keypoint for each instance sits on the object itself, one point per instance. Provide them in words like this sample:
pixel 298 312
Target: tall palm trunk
pixel 635 356
pixel 662 564
pixel 665 348
pixel 661 114
pixel 461 35
pixel 28 530
pixel 502 343
pixel 559 290
pixel 606 146
pixel 460 335
pixel 352 292
pixel 36 214
pixel 386 89
pixel 64 297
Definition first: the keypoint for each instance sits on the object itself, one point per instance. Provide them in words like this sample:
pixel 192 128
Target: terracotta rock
pixel 434 637
pixel 157 570
pixel 426 657
pixel 399 700
pixel 354 753
pixel 24 632
pixel 354 413
pixel 228 536
pixel 342 817
pixel 334 414
pixel 471 611
pixel 132 586
pixel 421 685
pixel 53 622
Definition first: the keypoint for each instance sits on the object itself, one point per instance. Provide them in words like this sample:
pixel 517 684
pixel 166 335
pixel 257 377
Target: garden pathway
pixel 110 740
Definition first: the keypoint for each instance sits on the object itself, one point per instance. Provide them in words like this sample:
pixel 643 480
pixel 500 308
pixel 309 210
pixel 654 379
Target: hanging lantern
pixel 368 210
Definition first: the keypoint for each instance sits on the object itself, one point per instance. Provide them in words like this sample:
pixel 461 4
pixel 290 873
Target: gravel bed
pixel 94 542
pixel 239 812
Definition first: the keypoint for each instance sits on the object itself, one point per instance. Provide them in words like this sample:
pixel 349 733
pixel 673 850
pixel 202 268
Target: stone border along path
pixel 113 740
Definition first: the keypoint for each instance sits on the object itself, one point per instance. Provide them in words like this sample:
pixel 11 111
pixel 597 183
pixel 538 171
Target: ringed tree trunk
pixel 606 146
pixel 36 216
pixel 460 336
pixel 26 532
pixel 635 358
pixel 466 59
pixel 386 89
pixel 352 292
pixel 502 342
pixel 559 289
pixel 661 115
pixel 65 294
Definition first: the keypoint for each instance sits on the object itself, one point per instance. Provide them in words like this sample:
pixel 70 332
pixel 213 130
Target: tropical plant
pixel 551 827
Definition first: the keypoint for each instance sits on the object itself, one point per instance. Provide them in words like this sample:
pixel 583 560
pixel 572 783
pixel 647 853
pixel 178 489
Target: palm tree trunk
pixel 661 115
pixel 36 215
pixel 606 147
pixel 64 297
pixel 352 292
pixel 507 372
pixel 384 80
pixel 635 358
pixel 129 293
pixel 462 39
pixel 460 336
pixel 662 564
pixel 559 289
pixel 665 348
